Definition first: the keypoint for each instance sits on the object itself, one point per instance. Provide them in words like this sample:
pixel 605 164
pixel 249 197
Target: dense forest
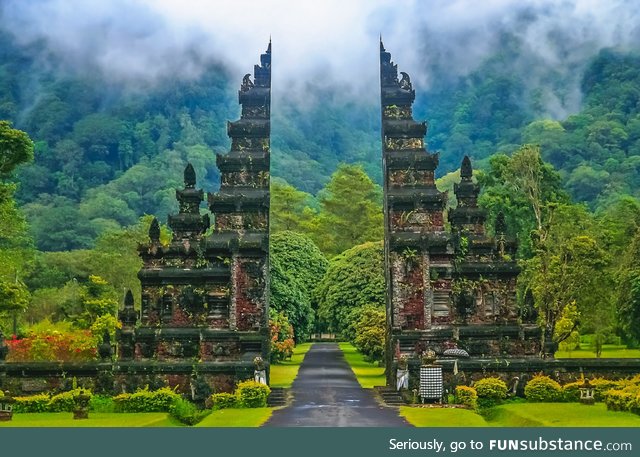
pixel 106 156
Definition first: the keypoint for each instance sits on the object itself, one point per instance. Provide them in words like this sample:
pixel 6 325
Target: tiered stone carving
pixel 204 295
pixel 446 288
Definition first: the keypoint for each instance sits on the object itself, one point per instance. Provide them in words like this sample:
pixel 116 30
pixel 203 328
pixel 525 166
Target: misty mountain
pixel 111 143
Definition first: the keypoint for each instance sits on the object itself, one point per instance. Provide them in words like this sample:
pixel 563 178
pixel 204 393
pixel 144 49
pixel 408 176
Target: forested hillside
pixel 107 153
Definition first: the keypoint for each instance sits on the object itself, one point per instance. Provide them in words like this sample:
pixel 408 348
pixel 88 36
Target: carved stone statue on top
pixel 405 81
pixel 247 84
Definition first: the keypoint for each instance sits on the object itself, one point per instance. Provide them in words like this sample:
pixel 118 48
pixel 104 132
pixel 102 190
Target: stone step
pixel 279 396
pixel 389 396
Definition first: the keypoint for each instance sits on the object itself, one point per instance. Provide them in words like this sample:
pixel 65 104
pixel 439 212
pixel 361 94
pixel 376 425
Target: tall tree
pixel 297 266
pixel 350 211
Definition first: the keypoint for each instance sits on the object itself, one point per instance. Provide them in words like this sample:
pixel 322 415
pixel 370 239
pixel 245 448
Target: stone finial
pixel 501 224
pixel 189 177
pixel 128 300
pixel 465 169
pixel 104 349
pixel 154 231
pixel 128 315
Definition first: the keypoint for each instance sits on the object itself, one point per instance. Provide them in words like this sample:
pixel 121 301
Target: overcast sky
pixel 327 42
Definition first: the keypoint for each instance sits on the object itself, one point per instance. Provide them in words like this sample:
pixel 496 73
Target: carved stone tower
pixel 205 305
pixel 446 289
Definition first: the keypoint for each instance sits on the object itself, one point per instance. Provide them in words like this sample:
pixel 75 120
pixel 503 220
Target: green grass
pixel 249 417
pixel 522 415
pixel 368 374
pixel 560 415
pixel 95 420
pixel 608 351
pixel 283 374
pixel 442 417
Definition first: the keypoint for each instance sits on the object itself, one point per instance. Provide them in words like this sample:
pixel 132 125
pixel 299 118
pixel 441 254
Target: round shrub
pixel 223 400
pixel 542 389
pixel 491 391
pixel 465 395
pixel 252 394
pixel 620 400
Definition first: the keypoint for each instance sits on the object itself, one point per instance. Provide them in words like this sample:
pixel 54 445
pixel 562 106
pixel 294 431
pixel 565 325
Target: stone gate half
pixel 448 288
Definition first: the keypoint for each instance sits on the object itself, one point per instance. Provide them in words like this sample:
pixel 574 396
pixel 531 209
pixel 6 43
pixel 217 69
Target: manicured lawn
pixel 442 417
pixel 283 374
pixel 560 415
pixel 368 374
pixel 95 420
pixel 608 351
pixel 250 417
pixel 522 415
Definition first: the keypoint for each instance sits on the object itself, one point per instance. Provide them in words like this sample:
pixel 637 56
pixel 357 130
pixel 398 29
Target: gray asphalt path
pixel 327 394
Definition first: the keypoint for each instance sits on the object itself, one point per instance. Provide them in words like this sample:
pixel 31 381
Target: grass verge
pixel 522 415
pixel 442 417
pixel 368 374
pixel 249 417
pixel 283 374
pixel 95 420
pixel 610 351
pixel 560 415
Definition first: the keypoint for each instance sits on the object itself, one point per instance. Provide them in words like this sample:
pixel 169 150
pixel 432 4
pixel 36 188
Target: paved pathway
pixel 327 394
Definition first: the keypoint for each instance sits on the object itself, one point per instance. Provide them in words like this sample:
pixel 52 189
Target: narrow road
pixel 327 394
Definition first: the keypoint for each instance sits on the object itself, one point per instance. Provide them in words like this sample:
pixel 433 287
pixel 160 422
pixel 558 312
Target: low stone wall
pixel 516 372
pixel 193 379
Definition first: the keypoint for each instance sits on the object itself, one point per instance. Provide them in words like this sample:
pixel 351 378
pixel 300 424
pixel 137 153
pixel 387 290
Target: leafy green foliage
pixel 15 148
pixel 186 412
pixel 281 330
pixel 252 394
pixel 369 330
pixel 465 395
pixel 628 296
pixel 146 401
pixel 543 389
pixel 491 391
pixel 223 400
pixel 354 279
pixel 296 267
pixel 43 403
pixel 350 211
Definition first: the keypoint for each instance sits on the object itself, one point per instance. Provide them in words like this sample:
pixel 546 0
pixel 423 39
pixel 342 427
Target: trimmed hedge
pixel 224 400
pixel 32 404
pixel 542 389
pixel 43 403
pixel 491 391
pixel 146 401
pixel 467 396
pixel 252 394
